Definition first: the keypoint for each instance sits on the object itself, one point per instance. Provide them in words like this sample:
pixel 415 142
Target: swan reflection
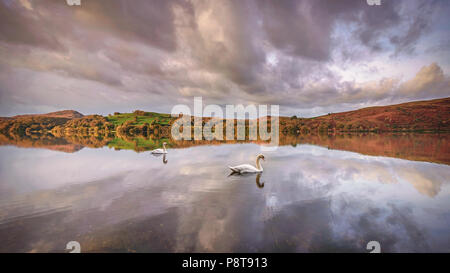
pixel 164 158
pixel 259 184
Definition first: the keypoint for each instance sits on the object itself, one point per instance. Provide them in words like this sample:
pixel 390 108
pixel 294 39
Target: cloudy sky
pixel 309 57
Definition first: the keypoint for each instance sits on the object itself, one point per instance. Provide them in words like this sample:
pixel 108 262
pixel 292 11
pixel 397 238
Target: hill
pixel 419 116
pixel 69 114
pixel 36 123
pixel 432 115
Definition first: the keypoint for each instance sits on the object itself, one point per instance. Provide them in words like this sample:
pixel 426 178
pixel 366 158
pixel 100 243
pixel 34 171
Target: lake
pixel 310 198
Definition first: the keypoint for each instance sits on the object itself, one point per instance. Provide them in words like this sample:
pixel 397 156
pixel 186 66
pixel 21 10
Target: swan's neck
pixel 164 147
pixel 258 165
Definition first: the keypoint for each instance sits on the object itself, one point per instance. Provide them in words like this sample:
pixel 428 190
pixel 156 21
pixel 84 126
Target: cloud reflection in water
pixel 312 200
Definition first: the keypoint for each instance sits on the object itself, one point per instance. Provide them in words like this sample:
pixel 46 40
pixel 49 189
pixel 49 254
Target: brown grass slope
pixel 431 115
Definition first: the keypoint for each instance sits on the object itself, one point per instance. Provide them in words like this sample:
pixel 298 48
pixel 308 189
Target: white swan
pixel 247 168
pixel 160 151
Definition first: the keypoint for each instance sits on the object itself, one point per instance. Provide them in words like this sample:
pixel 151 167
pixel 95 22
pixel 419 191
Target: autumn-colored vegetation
pixel 30 125
pixel 357 131
pixel 419 116
pixel 433 115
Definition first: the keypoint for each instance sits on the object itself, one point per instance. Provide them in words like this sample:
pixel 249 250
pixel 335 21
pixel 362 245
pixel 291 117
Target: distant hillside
pixel 69 131
pixel 36 123
pixel 69 114
pixel 432 115
pixel 419 116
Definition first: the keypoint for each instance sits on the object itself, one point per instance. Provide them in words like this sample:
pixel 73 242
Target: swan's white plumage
pixel 247 168
pixel 160 151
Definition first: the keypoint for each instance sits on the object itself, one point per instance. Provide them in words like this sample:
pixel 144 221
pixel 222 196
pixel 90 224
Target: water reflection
pixel 258 182
pixel 315 200
pixel 164 159
pixel 257 176
pixel 430 147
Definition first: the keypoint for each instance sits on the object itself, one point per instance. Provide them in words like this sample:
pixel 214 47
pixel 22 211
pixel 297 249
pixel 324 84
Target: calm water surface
pixel 309 199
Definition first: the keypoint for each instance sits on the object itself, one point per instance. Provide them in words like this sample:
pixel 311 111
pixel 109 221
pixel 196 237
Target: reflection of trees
pixel 46 141
pixel 90 140
pixel 420 147
pixel 411 146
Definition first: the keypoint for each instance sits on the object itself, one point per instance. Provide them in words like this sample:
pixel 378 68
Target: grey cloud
pixel 72 30
pixel 301 28
pixel 20 26
pixel 335 94
pixel 403 232
pixel 225 40
pixel 72 65
pixel 420 23
pixel 226 51
pixel 305 28
pixel 416 236
pixel 151 22
pixel 377 20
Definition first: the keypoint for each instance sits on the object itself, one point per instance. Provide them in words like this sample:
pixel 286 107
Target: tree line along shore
pixel 421 116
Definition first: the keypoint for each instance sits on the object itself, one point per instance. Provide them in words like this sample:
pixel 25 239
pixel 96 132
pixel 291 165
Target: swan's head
pixel 164 143
pixel 260 156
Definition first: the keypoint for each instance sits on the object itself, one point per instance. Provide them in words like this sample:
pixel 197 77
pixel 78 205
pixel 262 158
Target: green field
pixel 141 118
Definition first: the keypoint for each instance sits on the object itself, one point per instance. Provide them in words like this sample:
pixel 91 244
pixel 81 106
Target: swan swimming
pixel 247 168
pixel 164 159
pixel 160 151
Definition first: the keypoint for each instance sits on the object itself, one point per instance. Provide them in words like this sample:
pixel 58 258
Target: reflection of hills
pixel 410 146
pixel 89 140
pixel 69 130
pixel 417 147
pixel 45 142
pixel 108 214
